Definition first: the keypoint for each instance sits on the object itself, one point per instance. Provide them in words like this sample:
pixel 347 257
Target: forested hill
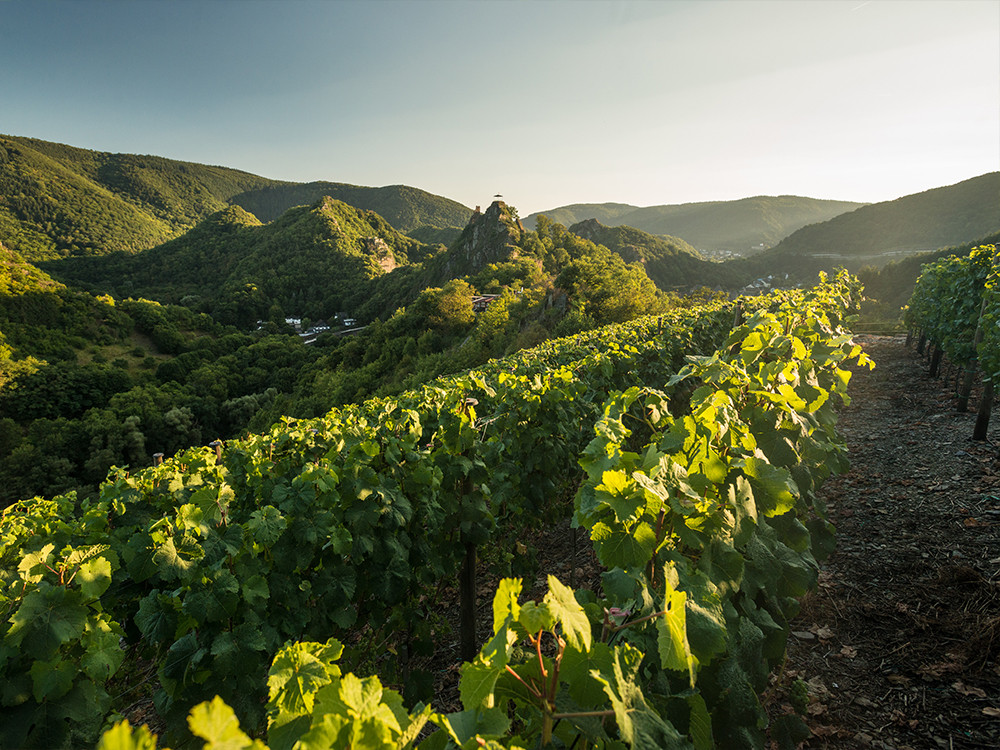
pixel 312 261
pixel 58 200
pixel 882 232
pixel 406 208
pixel 716 227
pixel 669 261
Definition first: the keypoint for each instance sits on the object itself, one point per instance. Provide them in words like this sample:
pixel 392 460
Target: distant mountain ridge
pixel 883 232
pixel 714 227
pixel 405 208
pixel 58 200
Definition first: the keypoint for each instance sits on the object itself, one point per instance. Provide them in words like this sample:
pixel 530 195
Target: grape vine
pixel 215 566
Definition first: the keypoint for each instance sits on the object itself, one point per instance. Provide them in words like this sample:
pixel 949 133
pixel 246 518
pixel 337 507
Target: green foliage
pixel 313 260
pixel 352 520
pixel 710 530
pixel 670 262
pixel 58 647
pixel 60 201
pixel 948 299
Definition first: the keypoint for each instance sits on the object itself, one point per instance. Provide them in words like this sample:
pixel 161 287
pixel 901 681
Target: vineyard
pixel 257 576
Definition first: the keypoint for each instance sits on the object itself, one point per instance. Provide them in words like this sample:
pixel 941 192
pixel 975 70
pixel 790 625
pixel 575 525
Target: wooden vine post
pixel 986 402
pixel 985 409
pixel 468 647
pixel 970 370
pixel 936 354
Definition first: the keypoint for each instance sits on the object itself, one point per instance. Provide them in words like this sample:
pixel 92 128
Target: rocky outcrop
pixel 376 248
pixel 491 236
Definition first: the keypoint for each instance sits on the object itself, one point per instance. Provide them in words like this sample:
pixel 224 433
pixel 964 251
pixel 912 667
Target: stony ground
pixel 900 644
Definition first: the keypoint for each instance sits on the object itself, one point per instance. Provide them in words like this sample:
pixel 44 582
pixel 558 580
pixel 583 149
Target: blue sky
pixel 548 103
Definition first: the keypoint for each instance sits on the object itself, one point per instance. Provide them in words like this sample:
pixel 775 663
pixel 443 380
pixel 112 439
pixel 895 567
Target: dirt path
pixel 900 643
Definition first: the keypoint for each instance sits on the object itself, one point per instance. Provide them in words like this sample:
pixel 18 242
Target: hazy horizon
pixel 547 103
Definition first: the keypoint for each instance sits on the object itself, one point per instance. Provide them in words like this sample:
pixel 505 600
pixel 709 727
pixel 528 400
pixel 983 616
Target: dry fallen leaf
pixel 849 651
pixel 994 712
pixel 964 689
pixel 938 669
pixel 898 679
pixel 824 633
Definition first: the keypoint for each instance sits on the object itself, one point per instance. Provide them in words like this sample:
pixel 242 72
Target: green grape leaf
pixel 534 617
pixel 122 737
pixel 564 606
pixel 640 725
pixel 51 680
pixel 621 549
pixel 94 577
pixel 266 525
pixel 479 676
pixel 103 652
pixel 576 672
pixel 700 723
pixel 296 675
pixel 772 484
pixel 255 590
pixel 672 640
pixel 216 723
pixel 619 587
pixel 33 565
pixel 505 602
pixel 462 726
pixel 157 616
pixel 48 617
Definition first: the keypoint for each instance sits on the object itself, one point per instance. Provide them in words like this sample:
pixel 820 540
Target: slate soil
pixel 900 643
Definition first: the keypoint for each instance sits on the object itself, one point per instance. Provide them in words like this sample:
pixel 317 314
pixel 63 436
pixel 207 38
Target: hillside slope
pixel 716 227
pixel 405 208
pixel 882 232
pixel 670 262
pixel 313 260
pixel 58 200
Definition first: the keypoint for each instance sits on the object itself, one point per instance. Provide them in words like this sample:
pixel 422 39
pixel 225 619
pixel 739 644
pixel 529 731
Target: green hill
pixel 720 228
pixel 670 262
pixel 58 201
pixel 606 213
pixel 883 232
pixel 313 260
pixel 405 208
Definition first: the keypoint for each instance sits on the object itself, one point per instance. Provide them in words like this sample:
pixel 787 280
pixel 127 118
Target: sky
pixel 547 103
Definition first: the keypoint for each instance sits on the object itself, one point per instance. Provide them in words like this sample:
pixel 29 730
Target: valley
pixel 220 391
